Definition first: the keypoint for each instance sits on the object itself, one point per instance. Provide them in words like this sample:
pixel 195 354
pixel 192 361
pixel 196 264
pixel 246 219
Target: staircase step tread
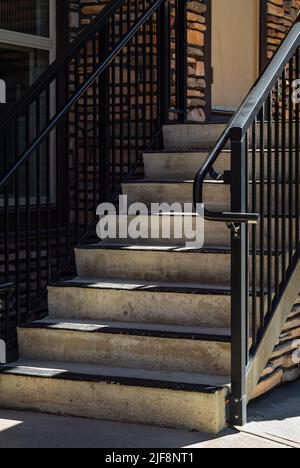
pixel 202 151
pixel 173 182
pixel 165 181
pixel 179 381
pixel 220 335
pixel 193 152
pixel 153 248
pixel 143 286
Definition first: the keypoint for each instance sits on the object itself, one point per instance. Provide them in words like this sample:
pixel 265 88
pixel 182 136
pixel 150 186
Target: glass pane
pixel 19 68
pixel 25 16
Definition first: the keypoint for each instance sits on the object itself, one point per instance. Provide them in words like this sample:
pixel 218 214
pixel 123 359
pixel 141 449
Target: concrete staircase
pixel 142 334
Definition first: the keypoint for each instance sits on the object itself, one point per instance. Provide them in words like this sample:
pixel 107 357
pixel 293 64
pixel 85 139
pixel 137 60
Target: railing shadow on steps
pixel 264 138
pixel 76 134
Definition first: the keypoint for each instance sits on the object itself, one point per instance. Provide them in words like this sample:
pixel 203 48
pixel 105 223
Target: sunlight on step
pixel 7 424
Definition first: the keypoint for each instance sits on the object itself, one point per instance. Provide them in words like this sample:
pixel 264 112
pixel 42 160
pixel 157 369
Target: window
pixel 27 47
pixel 27 43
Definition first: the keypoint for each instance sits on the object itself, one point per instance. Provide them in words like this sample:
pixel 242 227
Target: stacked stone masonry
pixel 281 14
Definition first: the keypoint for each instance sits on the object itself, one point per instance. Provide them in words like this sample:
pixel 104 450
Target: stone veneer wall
pixel 197 86
pixel 280 16
pixel 284 364
pixel 83 11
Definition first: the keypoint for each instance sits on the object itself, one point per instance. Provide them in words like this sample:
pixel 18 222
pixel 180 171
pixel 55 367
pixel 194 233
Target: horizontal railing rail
pixel 264 180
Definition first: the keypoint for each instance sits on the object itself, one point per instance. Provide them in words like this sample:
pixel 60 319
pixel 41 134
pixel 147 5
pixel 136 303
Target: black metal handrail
pixel 77 134
pixel 242 120
pixel 264 178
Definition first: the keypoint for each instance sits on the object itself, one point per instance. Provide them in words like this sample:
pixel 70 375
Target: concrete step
pixel 177 400
pixel 185 165
pixel 186 137
pixel 182 230
pixel 163 264
pixel 145 263
pixel 128 344
pixel 191 136
pixel 166 229
pixel 216 194
pixel 140 301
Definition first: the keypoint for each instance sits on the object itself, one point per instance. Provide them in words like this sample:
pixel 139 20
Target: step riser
pixel 140 306
pixel 135 352
pixel 154 266
pixel 170 230
pixel 216 196
pixel 191 137
pixel 175 409
pixel 184 166
pixel 215 234
pixel 201 268
pixel 204 136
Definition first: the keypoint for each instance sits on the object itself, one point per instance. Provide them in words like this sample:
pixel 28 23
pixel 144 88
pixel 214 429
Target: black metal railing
pixel 76 134
pixel 264 137
pixel 7 326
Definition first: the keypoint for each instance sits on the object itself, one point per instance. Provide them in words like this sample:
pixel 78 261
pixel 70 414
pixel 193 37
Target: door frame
pixel 219 116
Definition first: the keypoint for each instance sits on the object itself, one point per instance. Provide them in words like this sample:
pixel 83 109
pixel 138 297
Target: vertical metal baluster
pixel 128 97
pixel 66 155
pixel 297 159
pixel 254 234
pixel 262 222
pixel 283 176
pixel 181 59
pixel 76 200
pixel 151 77
pixel 164 63
pixel 144 106
pixel 27 214
pixel 291 160
pixel 121 97
pixel 95 124
pixel 239 281
pixel 38 199
pixel 6 226
pixel 85 115
pixel 49 176
pixel 277 189
pixel 269 201
pixel 58 205
pixel 137 87
pixel 17 225
pixel 113 89
pixel 104 119
pixel 157 72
